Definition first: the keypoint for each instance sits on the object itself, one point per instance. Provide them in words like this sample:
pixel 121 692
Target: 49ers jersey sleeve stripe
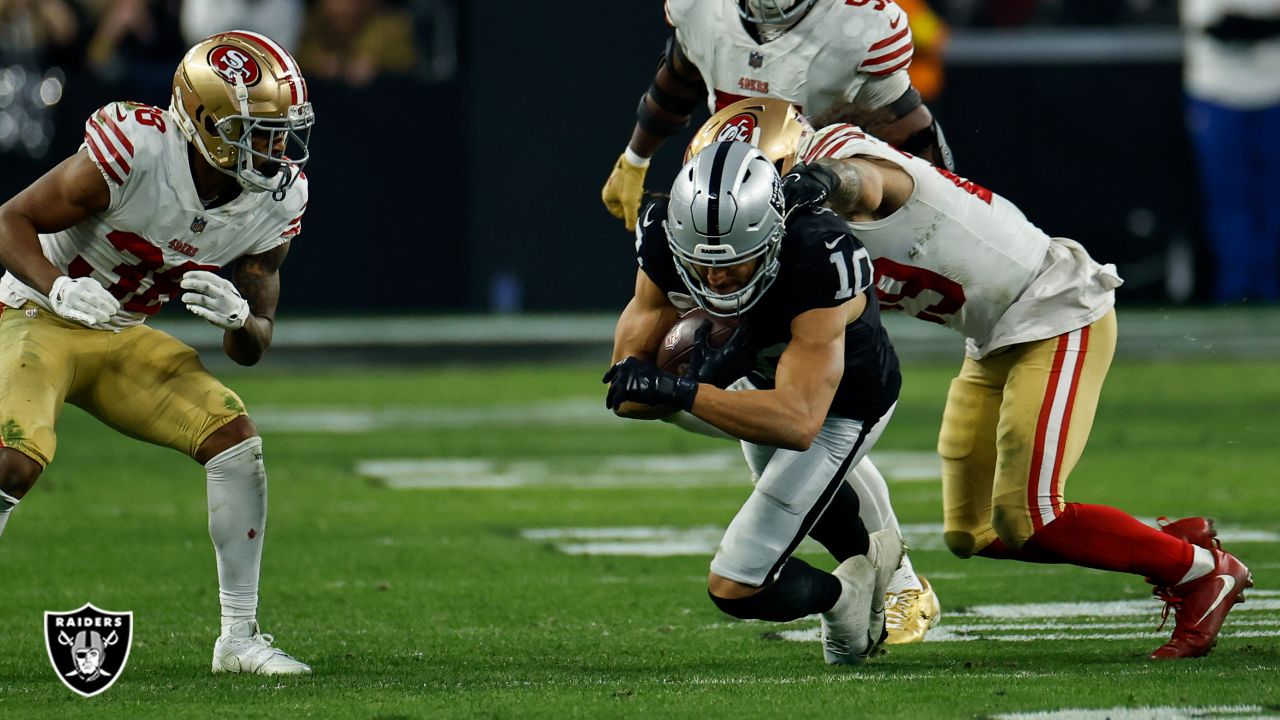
pixel 105 153
pixel 888 55
pixel 105 119
pixel 830 140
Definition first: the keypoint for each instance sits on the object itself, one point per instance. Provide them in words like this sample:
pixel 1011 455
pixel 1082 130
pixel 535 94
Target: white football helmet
pixel 773 12
pixel 725 209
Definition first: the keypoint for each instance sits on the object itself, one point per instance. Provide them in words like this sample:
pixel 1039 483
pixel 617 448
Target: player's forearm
pixel 20 251
pixel 779 418
pixel 644 143
pixel 247 345
pixel 846 196
pixel 667 105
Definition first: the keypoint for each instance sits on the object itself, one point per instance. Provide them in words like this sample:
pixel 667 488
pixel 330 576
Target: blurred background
pixel 460 147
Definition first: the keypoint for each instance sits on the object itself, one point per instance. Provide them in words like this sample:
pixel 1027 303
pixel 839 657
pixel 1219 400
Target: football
pixel 673 353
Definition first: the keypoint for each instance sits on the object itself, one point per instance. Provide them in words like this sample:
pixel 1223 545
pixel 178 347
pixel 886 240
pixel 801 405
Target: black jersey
pixel 820 265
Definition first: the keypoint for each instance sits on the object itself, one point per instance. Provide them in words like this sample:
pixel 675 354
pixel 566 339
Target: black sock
pixel 840 530
pixel 800 590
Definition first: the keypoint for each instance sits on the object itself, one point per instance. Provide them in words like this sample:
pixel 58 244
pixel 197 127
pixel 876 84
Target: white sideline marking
pixel 1211 712
pixel 1075 621
pixel 1112 609
pixel 673 541
pixel 345 420
pixel 707 469
pixel 716 468
pixel 943 633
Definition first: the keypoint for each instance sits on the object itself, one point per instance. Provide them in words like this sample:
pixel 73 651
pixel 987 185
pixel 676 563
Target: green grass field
pixel 550 587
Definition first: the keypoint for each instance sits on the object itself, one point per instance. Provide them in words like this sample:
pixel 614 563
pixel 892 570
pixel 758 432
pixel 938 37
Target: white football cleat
pixel 846 627
pixel 885 553
pixel 243 648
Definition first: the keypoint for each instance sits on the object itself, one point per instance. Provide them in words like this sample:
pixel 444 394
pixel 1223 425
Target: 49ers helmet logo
pixel 740 127
pixel 231 62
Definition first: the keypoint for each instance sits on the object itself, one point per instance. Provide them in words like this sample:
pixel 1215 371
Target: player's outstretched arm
pixel 257 277
pixel 809 371
pixel 61 198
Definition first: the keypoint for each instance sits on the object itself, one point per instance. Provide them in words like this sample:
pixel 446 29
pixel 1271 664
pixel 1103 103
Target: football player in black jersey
pixel 814 379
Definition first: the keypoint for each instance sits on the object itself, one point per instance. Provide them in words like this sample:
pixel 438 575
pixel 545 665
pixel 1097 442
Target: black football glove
pixel 1242 29
pixel 641 381
pixel 725 364
pixel 807 186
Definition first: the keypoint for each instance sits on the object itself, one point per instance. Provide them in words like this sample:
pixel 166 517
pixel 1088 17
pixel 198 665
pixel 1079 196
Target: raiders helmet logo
pixel 740 128
pixel 88 647
pixel 232 62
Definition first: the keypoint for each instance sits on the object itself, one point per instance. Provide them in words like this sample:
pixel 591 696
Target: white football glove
pixel 215 299
pixel 82 300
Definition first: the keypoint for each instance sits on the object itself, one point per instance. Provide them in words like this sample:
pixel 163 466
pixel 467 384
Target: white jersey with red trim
pixel 156 227
pixel 841 51
pixel 960 255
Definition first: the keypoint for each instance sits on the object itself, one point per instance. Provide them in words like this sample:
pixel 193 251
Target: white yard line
pixel 1211 712
pixel 716 468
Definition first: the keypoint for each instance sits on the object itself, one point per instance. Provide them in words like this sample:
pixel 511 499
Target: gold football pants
pixel 1014 426
pixel 140 381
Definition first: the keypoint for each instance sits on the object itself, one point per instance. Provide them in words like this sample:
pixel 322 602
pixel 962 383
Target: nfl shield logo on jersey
pixel 755 59
pixel 88 647
pixel 197 225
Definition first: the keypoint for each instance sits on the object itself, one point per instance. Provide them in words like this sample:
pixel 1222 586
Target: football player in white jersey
pixel 1038 315
pixel 154 203
pixel 835 59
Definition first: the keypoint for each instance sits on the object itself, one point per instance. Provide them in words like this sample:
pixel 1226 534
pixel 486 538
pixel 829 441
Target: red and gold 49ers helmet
pixel 774 126
pixel 240 98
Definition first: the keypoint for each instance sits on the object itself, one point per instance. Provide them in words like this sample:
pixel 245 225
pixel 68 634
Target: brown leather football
pixel 673 353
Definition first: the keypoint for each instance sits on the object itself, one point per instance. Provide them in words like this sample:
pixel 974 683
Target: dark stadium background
pixel 480 192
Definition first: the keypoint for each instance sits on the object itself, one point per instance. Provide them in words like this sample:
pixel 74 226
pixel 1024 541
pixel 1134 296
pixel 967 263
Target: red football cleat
pixel 1200 606
pixel 1195 530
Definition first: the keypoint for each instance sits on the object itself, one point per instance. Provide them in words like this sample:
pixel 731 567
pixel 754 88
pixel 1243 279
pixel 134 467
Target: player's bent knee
pixel 961 544
pixel 18 473
pixel 225 438
pixel 1011 525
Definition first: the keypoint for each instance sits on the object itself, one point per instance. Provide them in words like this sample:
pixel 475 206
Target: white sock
pixel 873 496
pixel 7 504
pixel 1202 564
pixel 905 578
pixel 877 514
pixel 237 484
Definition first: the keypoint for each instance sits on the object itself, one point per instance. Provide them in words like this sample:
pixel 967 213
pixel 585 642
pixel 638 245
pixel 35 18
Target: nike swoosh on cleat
pixel 1228 584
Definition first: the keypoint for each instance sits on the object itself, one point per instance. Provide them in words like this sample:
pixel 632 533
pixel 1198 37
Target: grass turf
pixel 429 603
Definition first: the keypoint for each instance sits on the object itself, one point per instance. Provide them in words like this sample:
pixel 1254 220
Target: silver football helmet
pixel 725 209
pixel 773 12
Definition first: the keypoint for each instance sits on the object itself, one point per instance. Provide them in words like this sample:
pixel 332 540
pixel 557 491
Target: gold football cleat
pixel 909 614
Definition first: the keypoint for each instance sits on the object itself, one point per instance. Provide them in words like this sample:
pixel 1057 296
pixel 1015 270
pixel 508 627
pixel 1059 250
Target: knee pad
pixel 961 414
pixel 961 544
pixel 1011 525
